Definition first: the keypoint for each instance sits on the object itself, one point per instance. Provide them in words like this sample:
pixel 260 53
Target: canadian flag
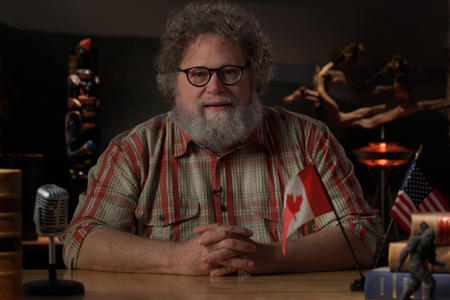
pixel 304 199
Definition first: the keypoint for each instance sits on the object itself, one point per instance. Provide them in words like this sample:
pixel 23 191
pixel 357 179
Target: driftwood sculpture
pixel 369 117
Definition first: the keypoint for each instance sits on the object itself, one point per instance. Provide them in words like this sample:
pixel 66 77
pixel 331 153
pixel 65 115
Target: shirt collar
pixel 259 134
pixel 181 138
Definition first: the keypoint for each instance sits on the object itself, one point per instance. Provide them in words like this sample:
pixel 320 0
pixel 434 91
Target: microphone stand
pixel 51 259
pixel 52 286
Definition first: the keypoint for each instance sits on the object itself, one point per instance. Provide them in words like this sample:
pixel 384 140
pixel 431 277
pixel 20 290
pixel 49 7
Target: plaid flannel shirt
pixel 156 182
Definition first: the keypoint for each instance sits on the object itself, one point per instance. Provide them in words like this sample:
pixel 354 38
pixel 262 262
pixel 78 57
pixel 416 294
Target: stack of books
pixel 384 283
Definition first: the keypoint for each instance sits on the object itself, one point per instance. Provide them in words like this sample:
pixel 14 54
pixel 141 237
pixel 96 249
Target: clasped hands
pixel 220 250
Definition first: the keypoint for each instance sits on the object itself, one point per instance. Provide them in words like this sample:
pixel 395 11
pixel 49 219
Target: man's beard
pixel 223 130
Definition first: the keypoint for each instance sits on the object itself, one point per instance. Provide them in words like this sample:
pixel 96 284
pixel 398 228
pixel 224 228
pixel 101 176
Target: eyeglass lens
pixel 227 74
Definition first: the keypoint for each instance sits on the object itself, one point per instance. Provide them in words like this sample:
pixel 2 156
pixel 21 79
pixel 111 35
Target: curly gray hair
pixel 229 20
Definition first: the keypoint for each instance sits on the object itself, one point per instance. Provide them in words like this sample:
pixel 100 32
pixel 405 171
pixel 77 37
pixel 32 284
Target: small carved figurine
pixel 422 249
pixel 398 67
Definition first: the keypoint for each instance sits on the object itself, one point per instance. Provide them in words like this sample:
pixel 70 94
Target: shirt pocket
pixel 163 220
pixel 263 210
pixel 271 220
pixel 258 213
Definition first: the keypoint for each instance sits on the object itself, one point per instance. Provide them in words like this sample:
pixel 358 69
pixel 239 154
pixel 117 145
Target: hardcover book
pixel 439 221
pixel 395 248
pixel 382 284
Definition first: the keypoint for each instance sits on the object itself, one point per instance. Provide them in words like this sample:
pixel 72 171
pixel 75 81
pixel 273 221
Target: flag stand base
pixel 358 285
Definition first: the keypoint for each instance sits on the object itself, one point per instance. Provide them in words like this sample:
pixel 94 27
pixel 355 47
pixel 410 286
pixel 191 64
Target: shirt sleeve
pixel 109 201
pixel 344 190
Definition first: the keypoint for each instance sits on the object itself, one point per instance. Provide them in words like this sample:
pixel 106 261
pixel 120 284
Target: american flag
pixel 415 195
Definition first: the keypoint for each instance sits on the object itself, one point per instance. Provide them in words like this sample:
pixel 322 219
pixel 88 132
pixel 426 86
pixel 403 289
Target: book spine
pixel 391 285
pixel 10 233
pixel 440 222
pixel 395 248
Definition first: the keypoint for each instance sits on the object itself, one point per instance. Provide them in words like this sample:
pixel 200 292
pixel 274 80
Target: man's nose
pixel 215 86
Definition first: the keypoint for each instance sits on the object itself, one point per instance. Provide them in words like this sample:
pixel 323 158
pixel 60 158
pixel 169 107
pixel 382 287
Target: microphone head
pixel 50 210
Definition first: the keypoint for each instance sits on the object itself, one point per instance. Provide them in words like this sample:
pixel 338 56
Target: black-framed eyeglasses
pixel 228 75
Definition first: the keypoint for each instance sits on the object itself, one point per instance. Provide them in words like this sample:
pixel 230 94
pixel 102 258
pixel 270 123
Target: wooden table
pixel 110 286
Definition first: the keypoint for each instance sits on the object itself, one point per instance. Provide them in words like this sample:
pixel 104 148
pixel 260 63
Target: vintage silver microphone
pixel 50 218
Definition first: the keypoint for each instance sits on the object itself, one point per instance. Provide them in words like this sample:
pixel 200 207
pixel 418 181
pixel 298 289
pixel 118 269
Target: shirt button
pixel 162 217
pixel 223 208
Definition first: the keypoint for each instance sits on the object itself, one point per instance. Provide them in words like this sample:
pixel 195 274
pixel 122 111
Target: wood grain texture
pixel 10 285
pixel 107 285
pixel 10 183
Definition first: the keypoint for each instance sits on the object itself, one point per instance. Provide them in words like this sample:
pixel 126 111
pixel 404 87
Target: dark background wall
pixel 35 37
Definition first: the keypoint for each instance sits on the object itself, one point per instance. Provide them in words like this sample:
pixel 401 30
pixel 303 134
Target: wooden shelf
pixel 41 241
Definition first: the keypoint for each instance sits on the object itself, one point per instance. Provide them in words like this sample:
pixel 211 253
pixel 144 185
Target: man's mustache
pixel 217 100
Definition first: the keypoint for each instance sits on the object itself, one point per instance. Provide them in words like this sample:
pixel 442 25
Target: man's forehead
pixel 208 43
pixel 217 37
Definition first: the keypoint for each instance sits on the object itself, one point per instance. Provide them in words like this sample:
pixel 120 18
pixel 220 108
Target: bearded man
pixel 199 190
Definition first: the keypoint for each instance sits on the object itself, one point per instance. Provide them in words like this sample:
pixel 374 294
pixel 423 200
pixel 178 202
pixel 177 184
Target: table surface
pixel 108 285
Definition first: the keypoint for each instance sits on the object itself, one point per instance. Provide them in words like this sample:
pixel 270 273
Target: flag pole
pixel 418 152
pixel 383 245
pixel 388 231
pixel 358 284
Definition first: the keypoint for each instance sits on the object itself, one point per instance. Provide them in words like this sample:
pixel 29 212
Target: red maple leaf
pixel 294 207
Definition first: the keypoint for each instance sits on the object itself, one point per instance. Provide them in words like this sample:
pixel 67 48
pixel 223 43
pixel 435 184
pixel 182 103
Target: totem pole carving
pixel 81 129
